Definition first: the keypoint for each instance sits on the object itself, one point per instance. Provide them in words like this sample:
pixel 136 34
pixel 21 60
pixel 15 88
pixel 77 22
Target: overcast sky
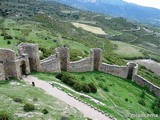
pixel 148 3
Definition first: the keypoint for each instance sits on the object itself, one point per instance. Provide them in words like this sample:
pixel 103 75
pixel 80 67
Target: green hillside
pixel 16 94
pixel 49 24
pixel 120 96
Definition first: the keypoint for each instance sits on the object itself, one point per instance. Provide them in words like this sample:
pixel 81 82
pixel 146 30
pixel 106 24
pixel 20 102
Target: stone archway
pixel 23 68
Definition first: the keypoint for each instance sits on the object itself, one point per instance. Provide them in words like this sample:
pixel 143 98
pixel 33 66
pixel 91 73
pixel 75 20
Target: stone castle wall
pixel 11 64
pixel 51 64
pixel 33 54
pixel 64 56
pixel 83 65
pixel 121 71
pixel 143 82
pixel 2 73
pixel 28 60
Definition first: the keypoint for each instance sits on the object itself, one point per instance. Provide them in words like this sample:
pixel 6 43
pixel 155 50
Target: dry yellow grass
pixel 95 30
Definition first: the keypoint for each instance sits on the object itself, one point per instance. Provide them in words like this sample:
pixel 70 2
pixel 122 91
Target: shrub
pixel 143 95
pixel 86 88
pixel 64 118
pixel 28 107
pixel 83 78
pixel 59 76
pixel 4 116
pixel 66 78
pixel 77 87
pixel 45 111
pixel 105 89
pixel 156 106
pixel 17 100
pixel 126 99
pixel 35 99
pixel 92 87
pixel 8 42
pixel 142 102
pixel 8 37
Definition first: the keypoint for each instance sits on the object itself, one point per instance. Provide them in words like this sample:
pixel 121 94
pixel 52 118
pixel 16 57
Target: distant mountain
pixel 118 8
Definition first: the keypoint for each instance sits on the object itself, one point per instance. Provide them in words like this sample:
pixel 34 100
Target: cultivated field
pixel 95 30
pixel 126 50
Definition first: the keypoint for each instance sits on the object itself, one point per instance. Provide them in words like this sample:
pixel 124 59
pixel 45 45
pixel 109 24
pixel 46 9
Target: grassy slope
pixel 18 89
pixel 119 90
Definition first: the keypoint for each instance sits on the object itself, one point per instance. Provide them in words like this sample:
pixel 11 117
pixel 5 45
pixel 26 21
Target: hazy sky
pixel 148 3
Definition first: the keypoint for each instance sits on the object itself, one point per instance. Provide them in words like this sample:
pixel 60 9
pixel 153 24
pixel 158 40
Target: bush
pixel 142 102
pixel 86 88
pixel 105 89
pixel 8 37
pixel 4 116
pixel 156 106
pixel 45 111
pixel 8 42
pixel 143 95
pixel 59 76
pixel 64 118
pixel 92 87
pixel 66 78
pixel 77 87
pixel 17 100
pixel 126 99
pixel 28 107
pixel 83 78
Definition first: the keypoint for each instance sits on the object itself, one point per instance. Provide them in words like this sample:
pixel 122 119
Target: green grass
pixel 149 75
pixel 126 50
pixel 119 90
pixel 18 89
pixel 3 43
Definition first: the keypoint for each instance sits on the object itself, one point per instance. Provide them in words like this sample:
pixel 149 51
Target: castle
pixel 27 60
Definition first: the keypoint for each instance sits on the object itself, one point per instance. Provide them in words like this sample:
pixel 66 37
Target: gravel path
pixel 85 109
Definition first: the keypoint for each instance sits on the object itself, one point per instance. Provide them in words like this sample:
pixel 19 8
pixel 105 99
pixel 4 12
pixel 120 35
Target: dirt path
pixel 85 109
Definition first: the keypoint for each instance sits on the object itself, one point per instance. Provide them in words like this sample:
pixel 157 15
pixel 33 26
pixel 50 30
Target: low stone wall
pixel 143 82
pixel 121 71
pixel 50 64
pixel 82 65
pixel 2 74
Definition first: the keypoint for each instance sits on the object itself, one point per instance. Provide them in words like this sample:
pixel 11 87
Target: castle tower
pixel 132 70
pixel 8 64
pixel 33 54
pixel 97 58
pixel 64 56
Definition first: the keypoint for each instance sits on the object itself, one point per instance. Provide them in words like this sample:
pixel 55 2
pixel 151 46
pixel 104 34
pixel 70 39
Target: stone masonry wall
pixel 51 64
pixel 64 56
pixel 83 65
pixel 11 66
pixel 143 82
pixel 33 54
pixel 97 58
pixel 2 74
pixel 121 71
